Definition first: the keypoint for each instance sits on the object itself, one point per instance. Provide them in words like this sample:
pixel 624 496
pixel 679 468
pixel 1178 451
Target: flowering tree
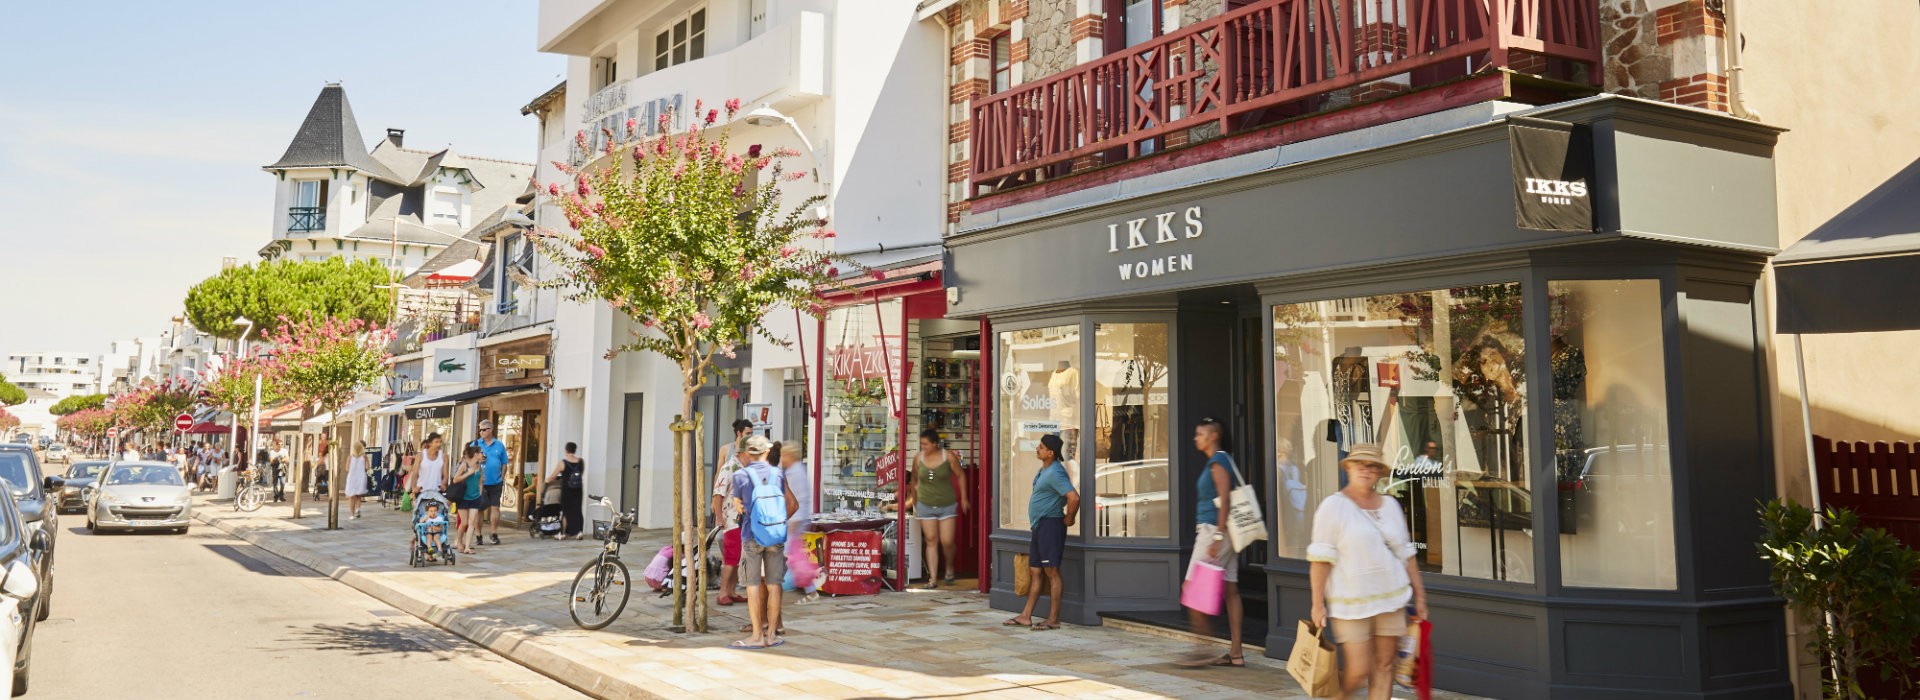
pixel 150 408
pixel 8 421
pixel 688 238
pixel 231 389
pixel 326 361
pixel 88 423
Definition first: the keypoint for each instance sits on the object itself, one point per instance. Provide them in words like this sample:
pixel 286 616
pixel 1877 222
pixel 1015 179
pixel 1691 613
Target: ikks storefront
pixel 1549 321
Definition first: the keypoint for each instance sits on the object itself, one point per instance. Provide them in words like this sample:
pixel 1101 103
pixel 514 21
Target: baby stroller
pixel 441 551
pixel 544 522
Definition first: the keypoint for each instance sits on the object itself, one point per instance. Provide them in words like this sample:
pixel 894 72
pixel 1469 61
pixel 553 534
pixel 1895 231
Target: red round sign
pixel 183 421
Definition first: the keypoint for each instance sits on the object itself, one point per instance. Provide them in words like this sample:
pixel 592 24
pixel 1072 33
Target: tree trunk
pixel 682 554
pixel 297 469
pixel 700 526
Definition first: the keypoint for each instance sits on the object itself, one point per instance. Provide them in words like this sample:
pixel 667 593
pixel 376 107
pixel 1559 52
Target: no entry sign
pixel 183 421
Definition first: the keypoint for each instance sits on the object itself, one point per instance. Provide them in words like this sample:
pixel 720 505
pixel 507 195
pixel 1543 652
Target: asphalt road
pixel 207 616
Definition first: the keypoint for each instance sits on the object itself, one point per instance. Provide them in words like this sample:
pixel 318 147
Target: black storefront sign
pixel 426 412
pixel 1552 171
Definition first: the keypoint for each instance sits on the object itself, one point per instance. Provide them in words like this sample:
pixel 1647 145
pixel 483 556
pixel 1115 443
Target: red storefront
pixel 887 365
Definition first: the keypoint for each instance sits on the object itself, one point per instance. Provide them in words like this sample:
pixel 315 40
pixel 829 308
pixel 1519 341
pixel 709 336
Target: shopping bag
pixel 1245 523
pixel 1414 668
pixel 1022 577
pixel 1314 664
pixel 1202 591
pixel 406 502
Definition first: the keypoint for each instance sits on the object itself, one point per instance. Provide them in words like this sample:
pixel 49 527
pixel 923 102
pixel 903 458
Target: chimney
pixel 397 137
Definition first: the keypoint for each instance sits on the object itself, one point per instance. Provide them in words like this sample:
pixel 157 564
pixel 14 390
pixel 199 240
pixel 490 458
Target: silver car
pixel 139 496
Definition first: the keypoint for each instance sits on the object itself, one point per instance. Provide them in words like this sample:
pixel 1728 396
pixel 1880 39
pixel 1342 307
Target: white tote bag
pixel 1245 523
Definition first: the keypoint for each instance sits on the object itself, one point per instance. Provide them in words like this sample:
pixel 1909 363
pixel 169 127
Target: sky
pixel 132 135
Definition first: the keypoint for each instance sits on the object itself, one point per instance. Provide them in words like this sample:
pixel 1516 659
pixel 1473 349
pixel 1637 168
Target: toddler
pixel 432 529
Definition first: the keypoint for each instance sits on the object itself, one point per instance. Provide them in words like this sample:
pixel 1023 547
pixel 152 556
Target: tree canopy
pixel 11 395
pixel 293 289
pixel 78 402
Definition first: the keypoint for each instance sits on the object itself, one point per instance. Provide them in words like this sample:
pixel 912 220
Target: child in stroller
pixel 430 524
pixel 545 521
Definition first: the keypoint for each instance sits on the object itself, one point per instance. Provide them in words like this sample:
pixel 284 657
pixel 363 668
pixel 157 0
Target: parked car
pixel 80 476
pixel 58 453
pixel 33 496
pixel 17 591
pixel 140 496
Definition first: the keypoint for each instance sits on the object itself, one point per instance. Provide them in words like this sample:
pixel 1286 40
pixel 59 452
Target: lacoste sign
pixel 454 365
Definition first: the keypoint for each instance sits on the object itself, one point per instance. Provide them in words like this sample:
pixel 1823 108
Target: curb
pixel 489 633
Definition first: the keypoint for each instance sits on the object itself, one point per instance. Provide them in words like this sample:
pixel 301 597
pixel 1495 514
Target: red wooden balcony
pixel 1264 63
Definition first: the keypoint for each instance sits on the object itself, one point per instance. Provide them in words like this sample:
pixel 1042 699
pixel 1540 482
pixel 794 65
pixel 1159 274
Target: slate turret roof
pixel 330 138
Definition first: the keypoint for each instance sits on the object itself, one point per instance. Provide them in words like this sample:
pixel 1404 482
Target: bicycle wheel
pixel 599 593
pixel 250 498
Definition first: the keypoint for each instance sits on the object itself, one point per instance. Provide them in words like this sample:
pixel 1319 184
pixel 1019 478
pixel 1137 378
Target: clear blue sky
pixel 132 134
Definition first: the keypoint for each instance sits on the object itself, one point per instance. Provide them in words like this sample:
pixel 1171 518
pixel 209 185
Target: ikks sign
pixel 1552 163
pixel 1150 234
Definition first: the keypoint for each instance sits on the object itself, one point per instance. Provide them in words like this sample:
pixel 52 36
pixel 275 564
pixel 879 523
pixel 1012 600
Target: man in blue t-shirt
pixel 492 478
pixel 1052 508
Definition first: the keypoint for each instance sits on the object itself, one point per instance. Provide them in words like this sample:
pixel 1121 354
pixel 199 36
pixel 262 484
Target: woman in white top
pixel 1363 573
pixel 428 475
pixel 356 487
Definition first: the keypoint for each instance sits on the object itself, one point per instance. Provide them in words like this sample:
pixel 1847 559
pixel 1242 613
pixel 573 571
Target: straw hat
pixel 1366 452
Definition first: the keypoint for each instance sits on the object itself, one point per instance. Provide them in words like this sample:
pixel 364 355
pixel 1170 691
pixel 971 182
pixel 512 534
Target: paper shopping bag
pixel 1314 664
pixel 1202 592
pixel 1022 578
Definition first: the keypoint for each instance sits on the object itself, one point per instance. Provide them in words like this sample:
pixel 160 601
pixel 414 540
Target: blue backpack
pixel 767 515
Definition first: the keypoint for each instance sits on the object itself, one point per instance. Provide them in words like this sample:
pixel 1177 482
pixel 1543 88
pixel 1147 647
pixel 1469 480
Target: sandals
pixel 1015 622
pixel 744 644
pixel 1209 660
pixel 1044 625
pixel 727 600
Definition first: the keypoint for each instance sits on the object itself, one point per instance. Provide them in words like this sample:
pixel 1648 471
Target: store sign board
pixel 762 416
pixel 403 381
pixel 863 361
pixel 520 361
pixel 1387 374
pixel 853 563
pixel 1552 166
pixel 455 365
pixel 429 412
pixel 886 469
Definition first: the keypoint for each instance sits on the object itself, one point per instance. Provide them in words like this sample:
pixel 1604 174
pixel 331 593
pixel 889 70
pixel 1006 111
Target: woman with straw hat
pixel 1364 573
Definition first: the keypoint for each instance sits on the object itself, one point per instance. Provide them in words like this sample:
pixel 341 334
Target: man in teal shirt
pixel 1051 509
pixel 492 478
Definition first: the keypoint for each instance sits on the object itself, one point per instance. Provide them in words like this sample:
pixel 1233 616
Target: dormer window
pixel 444 206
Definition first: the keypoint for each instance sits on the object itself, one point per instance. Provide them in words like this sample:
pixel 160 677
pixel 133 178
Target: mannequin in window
pixel 1064 388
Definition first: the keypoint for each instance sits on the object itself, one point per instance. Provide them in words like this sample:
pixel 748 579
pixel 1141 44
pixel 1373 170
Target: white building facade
pixel 848 77
pixel 62 374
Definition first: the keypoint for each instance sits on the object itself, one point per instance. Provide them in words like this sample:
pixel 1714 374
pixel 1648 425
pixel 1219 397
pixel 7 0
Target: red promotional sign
pixel 853 563
pixel 1389 374
pixel 183 421
pixel 886 469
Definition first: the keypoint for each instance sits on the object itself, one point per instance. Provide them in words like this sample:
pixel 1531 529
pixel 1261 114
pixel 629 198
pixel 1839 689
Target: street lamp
pixel 233 431
pixel 765 116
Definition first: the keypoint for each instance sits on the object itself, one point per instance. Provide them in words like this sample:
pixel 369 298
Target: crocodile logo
pixel 451 365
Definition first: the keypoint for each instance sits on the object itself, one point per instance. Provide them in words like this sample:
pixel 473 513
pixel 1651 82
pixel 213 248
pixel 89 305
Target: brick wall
pixel 1666 50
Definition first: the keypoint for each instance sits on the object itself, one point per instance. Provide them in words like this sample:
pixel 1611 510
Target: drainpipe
pixel 1731 49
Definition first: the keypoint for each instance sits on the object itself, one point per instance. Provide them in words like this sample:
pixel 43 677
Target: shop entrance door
pixel 632 427
pixel 1250 356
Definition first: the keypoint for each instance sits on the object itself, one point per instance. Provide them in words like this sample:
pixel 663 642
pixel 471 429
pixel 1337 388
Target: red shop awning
pixel 207 429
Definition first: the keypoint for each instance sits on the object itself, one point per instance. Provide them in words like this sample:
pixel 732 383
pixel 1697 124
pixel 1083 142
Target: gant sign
pixel 1147 232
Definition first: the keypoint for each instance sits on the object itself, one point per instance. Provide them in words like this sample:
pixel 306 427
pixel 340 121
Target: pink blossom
pixel 583 189
pixel 733 393
pixel 699 104
pixel 878 274
pixel 679 171
pixel 580 139
pixel 753 151
pixel 714 151
pixel 648 322
pixel 760 164
pixel 660 147
pixel 735 164
pixel 824 233
pixel 797 175
pixel 733 105
pixel 701 321
pixel 596 251
pixel 787 251
pixel 784 152
pixel 639 153
pixel 553 189
pixel 713 115
pixel 666 120
pixel 632 124
pixel 833 271
pixel 746 273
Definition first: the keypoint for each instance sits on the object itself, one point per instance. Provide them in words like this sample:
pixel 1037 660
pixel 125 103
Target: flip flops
pixel 744 644
pixel 1044 625
pixel 1015 622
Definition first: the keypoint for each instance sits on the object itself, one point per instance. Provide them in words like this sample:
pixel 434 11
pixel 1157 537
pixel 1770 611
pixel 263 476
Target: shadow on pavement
pixel 365 639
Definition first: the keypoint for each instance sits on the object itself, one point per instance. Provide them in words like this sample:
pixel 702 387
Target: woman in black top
pixel 570 474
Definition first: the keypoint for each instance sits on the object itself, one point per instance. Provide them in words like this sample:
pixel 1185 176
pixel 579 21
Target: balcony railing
pixel 1263 63
pixel 304 219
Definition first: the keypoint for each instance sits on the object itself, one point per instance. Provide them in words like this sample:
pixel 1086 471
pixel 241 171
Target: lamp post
pixel 766 116
pixel 233 431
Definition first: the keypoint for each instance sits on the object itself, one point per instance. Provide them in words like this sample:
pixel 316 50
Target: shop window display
pixel 1039 379
pixel 1131 413
pixel 1438 379
pixel 1611 455
pixel 860 458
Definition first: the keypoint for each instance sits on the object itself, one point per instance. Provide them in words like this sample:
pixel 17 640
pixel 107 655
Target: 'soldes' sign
pixel 1154 232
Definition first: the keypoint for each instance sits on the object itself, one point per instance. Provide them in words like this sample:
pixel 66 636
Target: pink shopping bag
pixel 1202 591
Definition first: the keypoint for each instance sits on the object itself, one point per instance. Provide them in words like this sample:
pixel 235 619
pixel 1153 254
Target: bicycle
pixel 252 493
pixel 601 588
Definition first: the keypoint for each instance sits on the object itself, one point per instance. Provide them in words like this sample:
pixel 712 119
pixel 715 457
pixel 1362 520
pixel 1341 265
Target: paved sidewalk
pixel 512 599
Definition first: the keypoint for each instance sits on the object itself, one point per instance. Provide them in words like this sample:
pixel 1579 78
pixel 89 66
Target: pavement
pixel 207 616
pixel 511 598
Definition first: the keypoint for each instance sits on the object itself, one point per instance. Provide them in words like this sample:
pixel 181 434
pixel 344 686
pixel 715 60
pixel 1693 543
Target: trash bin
pixel 226 483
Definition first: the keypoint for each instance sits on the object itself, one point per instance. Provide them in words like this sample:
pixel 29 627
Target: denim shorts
pixel 922 511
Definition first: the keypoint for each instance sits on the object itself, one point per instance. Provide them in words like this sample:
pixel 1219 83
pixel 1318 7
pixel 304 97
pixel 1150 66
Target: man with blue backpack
pixel 765 504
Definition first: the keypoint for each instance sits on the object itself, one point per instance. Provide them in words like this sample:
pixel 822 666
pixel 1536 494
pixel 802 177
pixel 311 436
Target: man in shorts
pixel 727 515
pixel 492 478
pixel 1052 508
pixel 763 552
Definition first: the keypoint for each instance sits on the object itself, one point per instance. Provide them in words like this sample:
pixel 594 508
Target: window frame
pixel 1000 46
pixel 1533 280
pixel 663 58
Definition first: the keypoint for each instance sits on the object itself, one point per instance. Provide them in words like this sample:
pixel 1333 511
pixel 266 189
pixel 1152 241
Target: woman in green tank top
pixel 936 491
